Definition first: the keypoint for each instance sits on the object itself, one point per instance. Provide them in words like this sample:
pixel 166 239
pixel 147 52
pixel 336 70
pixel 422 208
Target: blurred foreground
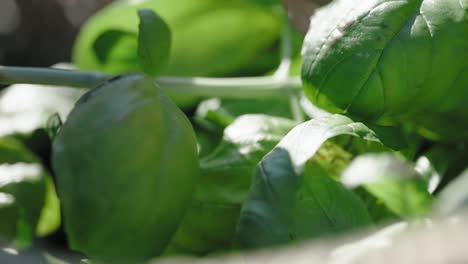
pixel 433 241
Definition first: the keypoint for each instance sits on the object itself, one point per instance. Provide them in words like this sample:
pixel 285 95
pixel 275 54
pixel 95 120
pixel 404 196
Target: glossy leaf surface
pixel 384 59
pixel 126 165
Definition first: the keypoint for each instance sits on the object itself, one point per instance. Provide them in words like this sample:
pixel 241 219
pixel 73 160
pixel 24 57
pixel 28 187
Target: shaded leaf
pixel 49 220
pixel 9 213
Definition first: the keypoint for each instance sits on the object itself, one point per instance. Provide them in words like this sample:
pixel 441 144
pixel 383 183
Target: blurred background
pixel 41 33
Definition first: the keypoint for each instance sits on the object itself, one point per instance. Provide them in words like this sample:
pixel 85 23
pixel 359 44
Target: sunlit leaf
pixel 392 181
pixel 294 196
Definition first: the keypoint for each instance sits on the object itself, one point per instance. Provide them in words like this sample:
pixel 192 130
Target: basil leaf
pixel 293 197
pixel 391 60
pixel 154 42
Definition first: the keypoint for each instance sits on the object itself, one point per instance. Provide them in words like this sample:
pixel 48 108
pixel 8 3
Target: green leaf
pixel 9 213
pixel 156 149
pixel 294 196
pixel 154 42
pixel 210 222
pixel 321 195
pixel 398 60
pixel 392 181
pixel 454 196
pixel 49 220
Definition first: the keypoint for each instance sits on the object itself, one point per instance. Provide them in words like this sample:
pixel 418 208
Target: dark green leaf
pixel 154 42
pixel 106 48
pixel 319 196
pixel 9 213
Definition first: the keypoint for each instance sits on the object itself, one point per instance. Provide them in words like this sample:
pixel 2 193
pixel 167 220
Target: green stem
pixel 51 76
pixel 242 87
pixel 283 71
